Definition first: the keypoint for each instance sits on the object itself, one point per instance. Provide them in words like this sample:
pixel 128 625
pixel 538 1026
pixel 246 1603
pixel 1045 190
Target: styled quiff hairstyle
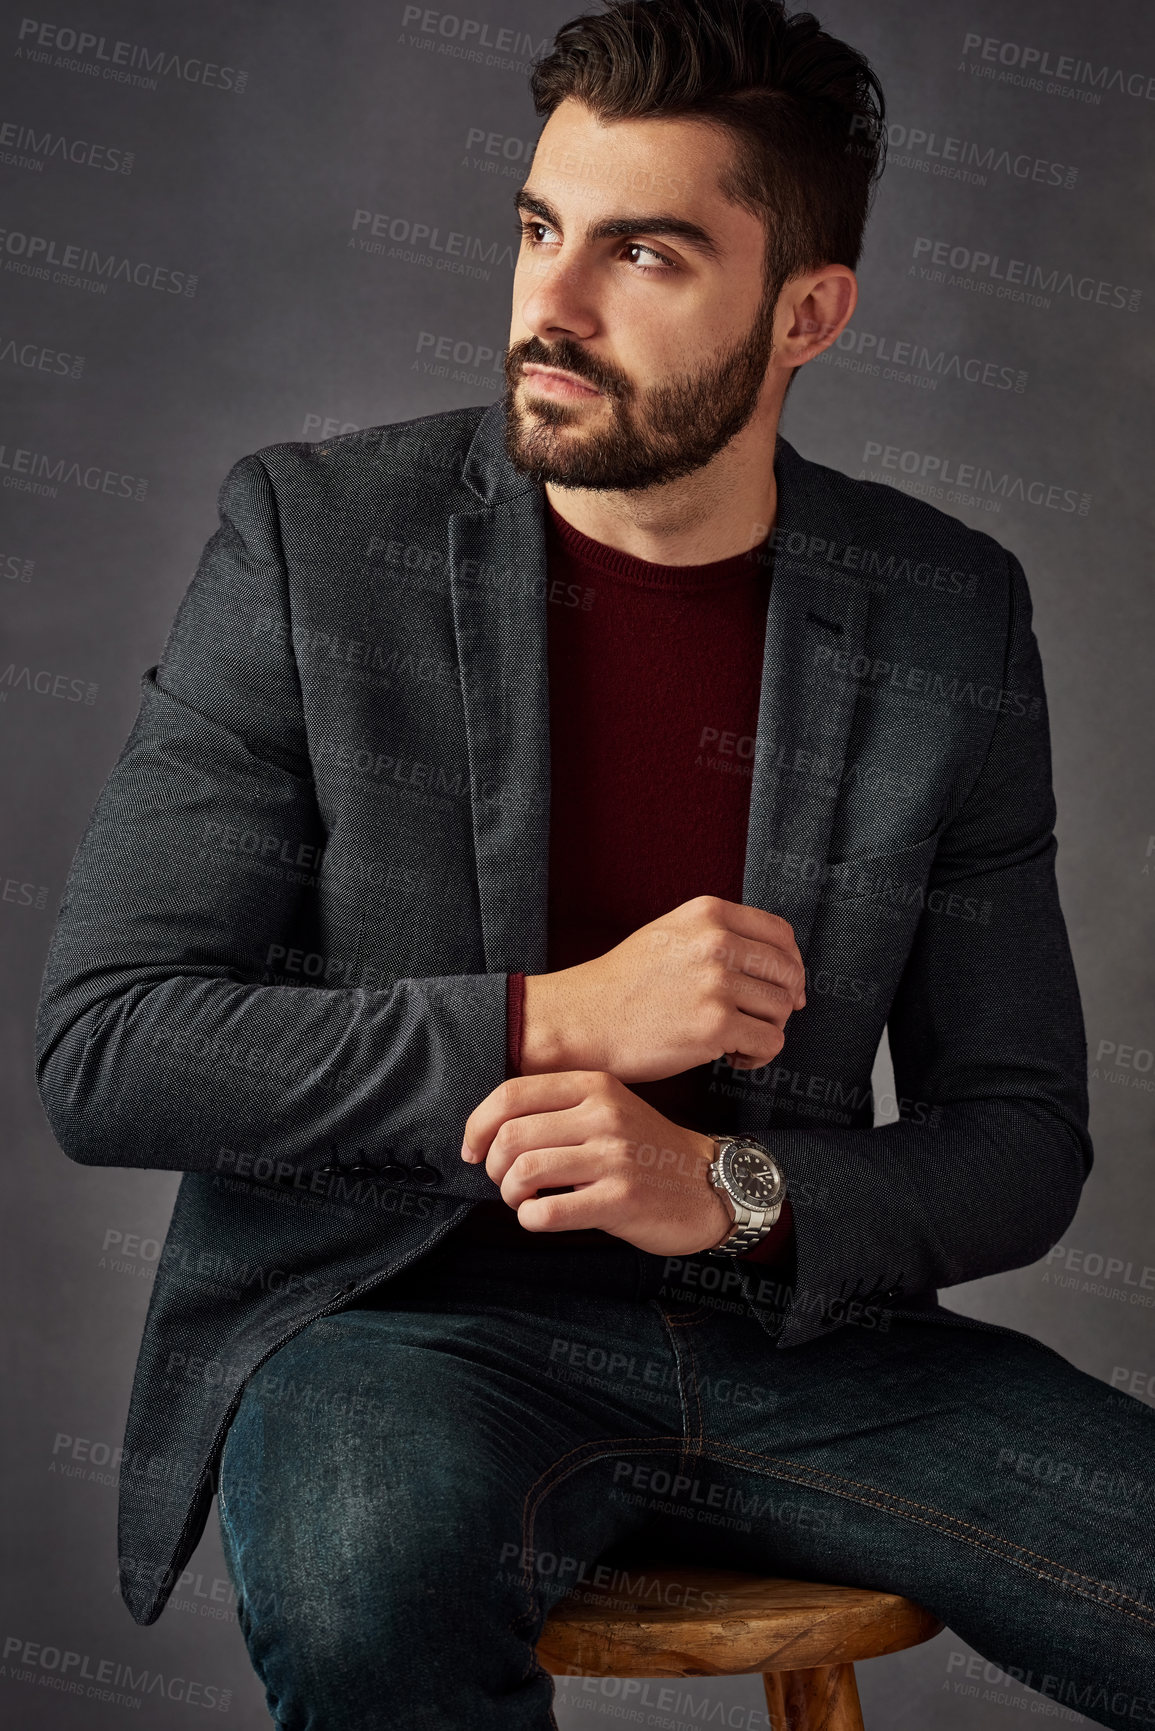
pixel 806 112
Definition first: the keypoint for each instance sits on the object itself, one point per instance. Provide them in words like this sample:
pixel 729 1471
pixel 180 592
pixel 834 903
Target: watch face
pixel 755 1176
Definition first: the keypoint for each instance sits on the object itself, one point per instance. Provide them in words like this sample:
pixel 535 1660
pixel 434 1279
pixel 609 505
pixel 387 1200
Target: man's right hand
pixel 711 978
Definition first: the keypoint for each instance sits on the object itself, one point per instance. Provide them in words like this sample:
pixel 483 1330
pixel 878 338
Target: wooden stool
pixel 803 1637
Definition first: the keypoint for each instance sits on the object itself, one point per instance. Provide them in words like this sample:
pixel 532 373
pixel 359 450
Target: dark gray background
pixel 293 332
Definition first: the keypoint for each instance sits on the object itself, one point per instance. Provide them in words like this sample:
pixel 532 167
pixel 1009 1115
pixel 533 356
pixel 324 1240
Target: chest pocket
pixel 894 880
pixel 865 917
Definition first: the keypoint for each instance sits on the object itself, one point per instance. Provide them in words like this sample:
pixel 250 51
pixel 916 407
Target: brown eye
pixel 666 264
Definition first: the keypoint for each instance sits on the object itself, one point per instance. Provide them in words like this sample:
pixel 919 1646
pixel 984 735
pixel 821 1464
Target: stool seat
pixel 802 1636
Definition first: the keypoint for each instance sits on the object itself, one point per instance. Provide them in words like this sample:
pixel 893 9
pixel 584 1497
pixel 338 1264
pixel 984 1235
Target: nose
pixel 553 298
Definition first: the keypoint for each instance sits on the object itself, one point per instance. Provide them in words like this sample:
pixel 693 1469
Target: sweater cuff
pixel 774 1245
pixel 514 1020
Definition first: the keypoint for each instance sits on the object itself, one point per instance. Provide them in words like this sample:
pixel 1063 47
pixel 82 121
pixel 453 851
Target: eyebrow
pixel 619 227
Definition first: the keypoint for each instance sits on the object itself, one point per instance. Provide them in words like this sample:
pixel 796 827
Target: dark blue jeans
pixel 408 1486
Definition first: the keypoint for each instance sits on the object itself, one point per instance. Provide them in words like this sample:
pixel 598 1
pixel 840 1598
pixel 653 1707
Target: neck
pixel 726 507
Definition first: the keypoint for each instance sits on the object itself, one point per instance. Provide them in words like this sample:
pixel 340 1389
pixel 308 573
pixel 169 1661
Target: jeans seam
pixel 569 1463
pixel 688 1397
pixel 226 1523
pixel 693 1397
pixel 551 1477
pixel 770 1467
pixel 518 1628
pixel 223 1514
pixel 244 1614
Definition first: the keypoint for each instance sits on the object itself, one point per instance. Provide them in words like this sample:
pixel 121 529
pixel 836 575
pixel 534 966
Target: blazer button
pixel 423 1174
pixel 393 1172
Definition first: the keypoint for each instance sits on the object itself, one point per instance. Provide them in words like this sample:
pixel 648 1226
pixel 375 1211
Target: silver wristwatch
pixel 750 1177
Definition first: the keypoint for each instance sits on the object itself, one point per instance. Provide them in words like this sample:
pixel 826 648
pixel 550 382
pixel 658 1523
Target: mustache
pixel 570 358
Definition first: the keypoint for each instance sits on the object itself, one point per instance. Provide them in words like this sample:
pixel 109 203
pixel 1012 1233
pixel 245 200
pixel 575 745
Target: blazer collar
pixel 488 472
pixel 498 590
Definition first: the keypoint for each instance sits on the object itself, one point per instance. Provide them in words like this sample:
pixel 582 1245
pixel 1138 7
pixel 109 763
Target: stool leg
pixel 825 1699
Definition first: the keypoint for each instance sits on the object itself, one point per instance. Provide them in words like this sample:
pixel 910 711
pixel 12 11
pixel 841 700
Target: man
pixel 533 821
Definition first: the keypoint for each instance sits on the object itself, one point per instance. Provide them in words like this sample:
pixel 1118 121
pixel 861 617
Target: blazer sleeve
pixel 155 1046
pixel 986 1036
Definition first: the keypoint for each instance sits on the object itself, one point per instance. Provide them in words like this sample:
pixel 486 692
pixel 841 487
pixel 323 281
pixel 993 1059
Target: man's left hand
pixel 634 1174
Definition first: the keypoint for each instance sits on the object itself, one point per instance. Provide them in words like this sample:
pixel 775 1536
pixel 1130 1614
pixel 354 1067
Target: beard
pixel 656 433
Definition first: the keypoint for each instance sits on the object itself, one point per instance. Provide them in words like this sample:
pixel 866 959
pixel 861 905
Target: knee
pixel 352 1543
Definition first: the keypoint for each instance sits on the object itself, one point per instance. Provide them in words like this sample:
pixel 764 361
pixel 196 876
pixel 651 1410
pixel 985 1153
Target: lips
pixel 557 384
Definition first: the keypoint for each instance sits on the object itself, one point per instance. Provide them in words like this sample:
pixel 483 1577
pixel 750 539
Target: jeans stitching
pixel 687 1386
pixel 773 1467
pixel 567 1463
pixel 518 1627
pixel 607 1445
pixel 770 1465
pixel 694 1446
pixel 546 1480
pixel 226 1523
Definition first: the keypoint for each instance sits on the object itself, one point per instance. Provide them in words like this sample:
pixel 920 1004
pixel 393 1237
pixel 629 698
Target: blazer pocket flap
pixel 898 876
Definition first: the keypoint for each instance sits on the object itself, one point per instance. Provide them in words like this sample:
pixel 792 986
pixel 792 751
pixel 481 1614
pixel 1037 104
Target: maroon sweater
pixel 654 679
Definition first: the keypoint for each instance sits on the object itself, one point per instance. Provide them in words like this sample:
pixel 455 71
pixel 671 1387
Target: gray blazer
pixel 280 960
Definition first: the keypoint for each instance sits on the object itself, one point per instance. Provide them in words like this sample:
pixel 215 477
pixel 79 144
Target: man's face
pixel 636 353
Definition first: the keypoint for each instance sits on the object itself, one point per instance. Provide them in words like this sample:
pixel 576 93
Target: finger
pixel 577 1211
pixel 752 1040
pixel 750 921
pixel 550 1169
pixel 759 943
pixel 531 1133
pixel 763 1000
pixel 776 964
pixel 550 1091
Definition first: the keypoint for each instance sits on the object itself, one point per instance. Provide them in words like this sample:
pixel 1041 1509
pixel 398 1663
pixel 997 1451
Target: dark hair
pixel 806 112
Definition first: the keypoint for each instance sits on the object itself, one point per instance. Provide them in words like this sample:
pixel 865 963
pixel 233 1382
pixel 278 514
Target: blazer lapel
pixel 498 585
pixel 498 588
pixel 805 710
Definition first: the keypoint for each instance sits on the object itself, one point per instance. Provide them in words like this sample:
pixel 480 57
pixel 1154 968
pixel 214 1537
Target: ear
pixel 813 310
